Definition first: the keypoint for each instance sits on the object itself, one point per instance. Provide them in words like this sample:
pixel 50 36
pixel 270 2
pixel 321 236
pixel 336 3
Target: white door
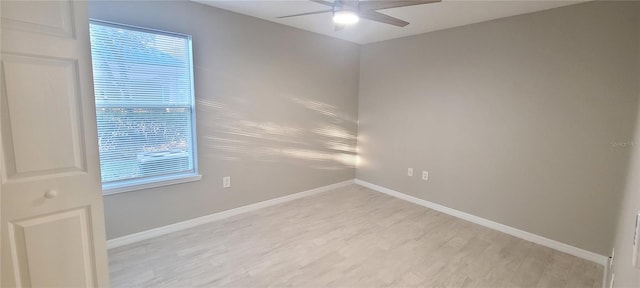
pixel 52 215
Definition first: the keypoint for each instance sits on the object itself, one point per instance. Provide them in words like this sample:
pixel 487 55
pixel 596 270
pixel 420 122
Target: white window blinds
pixel 144 104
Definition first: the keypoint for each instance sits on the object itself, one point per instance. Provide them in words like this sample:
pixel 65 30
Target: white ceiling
pixel 423 18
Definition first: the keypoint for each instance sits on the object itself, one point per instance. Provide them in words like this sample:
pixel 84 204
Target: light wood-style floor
pixel 348 237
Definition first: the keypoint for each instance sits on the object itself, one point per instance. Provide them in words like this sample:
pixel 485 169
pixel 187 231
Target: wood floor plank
pixel 348 237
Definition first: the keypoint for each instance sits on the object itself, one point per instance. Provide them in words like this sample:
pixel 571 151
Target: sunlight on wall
pixel 335 131
pixel 360 161
pixel 341 147
pixel 346 159
pixel 328 142
pixel 322 108
pixel 271 128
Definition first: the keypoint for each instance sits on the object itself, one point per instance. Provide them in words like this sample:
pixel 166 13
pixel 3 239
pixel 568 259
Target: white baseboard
pixel 562 247
pixel 148 234
pixel 144 235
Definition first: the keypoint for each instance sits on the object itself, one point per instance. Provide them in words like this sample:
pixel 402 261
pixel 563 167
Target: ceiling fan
pixel 347 12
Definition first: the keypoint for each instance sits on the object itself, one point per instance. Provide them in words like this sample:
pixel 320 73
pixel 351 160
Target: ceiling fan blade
pixel 379 17
pixel 386 4
pixel 308 13
pixel 323 2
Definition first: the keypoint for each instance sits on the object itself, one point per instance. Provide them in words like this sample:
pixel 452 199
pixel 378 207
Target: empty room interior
pixel 320 143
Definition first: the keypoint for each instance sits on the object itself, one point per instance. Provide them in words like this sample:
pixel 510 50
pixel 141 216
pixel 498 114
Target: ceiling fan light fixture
pixel 345 17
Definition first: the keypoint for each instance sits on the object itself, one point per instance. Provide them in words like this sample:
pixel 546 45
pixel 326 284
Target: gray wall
pixel 625 274
pixel 276 111
pixel 518 120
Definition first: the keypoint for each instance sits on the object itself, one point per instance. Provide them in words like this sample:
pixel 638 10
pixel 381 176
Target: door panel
pixel 52 220
pixel 47 88
pixel 49 17
pixel 38 244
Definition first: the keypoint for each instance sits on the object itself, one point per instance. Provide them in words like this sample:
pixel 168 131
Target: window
pixel 143 83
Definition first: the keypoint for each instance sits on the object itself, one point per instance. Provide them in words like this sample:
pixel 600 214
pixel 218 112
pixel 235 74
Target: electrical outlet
pixel 425 175
pixel 410 172
pixel 226 182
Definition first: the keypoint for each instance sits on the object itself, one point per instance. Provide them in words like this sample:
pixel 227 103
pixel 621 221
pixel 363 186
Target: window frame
pixel 146 182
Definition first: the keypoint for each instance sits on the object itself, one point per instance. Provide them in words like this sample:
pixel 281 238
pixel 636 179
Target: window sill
pixel 110 189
